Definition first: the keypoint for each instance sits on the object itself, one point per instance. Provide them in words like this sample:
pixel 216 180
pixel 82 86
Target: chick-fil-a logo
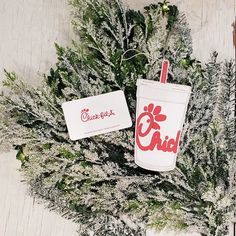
pixel 86 116
pixel 148 121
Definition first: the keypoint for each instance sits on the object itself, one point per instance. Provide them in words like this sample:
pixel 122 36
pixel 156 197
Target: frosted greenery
pixel 94 181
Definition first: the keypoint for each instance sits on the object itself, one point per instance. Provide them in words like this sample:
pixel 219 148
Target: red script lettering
pixel 148 121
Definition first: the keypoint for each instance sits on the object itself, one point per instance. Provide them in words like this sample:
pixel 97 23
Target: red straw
pixel 164 71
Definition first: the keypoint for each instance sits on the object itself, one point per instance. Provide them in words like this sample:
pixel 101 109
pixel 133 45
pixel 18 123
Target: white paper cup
pixel 160 114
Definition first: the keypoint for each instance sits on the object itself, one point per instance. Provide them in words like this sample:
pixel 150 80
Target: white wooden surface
pixel 28 30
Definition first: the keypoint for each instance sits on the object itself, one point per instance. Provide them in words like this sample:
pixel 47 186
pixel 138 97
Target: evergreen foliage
pixel 94 181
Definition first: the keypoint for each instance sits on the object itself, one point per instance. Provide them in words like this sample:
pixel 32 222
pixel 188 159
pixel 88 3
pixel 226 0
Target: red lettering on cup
pixel 147 121
pixel 86 116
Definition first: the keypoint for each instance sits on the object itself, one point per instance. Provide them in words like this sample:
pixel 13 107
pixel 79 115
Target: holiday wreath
pixel 95 181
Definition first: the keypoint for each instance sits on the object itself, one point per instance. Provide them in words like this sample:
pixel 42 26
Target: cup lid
pixel 164 86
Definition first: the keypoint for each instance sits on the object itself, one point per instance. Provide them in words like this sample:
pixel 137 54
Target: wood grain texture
pixel 28 30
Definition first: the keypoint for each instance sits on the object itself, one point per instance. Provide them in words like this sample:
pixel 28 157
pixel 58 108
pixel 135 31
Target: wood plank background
pixel 28 30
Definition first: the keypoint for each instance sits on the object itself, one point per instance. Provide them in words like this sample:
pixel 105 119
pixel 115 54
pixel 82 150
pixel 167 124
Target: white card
pixel 95 115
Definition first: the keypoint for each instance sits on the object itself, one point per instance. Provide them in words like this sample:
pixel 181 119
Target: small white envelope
pixel 95 115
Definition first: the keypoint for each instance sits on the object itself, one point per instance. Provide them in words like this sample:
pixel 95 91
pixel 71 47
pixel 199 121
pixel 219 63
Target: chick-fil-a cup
pixel 160 114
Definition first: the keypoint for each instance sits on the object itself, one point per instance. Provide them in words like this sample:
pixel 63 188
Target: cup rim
pixel 164 86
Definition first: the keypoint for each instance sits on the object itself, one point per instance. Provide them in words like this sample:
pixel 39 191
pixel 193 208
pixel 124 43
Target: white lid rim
pixel 166 86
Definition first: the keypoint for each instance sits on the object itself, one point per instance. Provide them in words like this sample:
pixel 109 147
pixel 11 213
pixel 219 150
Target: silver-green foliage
pixel 94 181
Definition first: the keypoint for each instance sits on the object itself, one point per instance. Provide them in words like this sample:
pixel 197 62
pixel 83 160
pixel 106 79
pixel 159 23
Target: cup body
pixel 160 114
